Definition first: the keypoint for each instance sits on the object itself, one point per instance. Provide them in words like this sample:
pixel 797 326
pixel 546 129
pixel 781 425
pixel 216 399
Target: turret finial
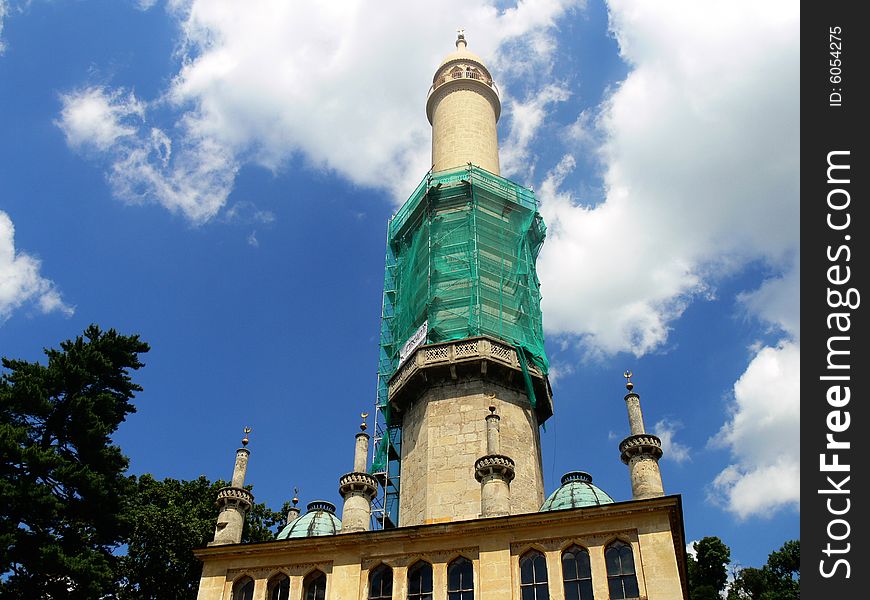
pixel 363 426
pixel 460 38
pixel 628 384
pixel 246 431
pixel 295 499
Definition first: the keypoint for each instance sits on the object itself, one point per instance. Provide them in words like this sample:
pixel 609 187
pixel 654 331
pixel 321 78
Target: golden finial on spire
pixel 363 426
pixel 295 499
pixel 628 384
pixel 246 431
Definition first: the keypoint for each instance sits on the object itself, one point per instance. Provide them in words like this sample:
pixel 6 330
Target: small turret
pixel 641 451
pixel 358 488
pixel 234 501
pixel 495 472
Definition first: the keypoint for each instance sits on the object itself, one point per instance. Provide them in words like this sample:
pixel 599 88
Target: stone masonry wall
pixel 444 433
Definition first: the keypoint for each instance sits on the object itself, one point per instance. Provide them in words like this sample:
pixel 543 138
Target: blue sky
pixel 217 177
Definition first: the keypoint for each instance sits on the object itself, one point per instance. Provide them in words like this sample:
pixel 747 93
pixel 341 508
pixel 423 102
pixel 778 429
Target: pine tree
pixel 61 477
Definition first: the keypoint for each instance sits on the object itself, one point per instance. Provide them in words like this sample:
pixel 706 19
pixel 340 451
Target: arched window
pixel 243 589
pixel 533 576
pixel 621 577
pixel 278 588
pixel 420 581
pixel 314 586
pixel 460 579
pixel 577 574
pixel 381 583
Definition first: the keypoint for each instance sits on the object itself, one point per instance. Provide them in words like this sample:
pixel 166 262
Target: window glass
pixel 460 579
pixel 420 581
pixel 314 586
pixel 533 576
pixel 381 583
pixel 577 574
pixel 244 589
pixel 621 576
pixel 279 588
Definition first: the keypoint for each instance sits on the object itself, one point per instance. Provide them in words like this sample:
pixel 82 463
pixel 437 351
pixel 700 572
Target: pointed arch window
pixel 420 581
pixel 533 576
pixel 278 588
pixel 460 579
pixel 243 589
pixel 621 575
pixel 381 583
pixel 577 574
pixel 314 586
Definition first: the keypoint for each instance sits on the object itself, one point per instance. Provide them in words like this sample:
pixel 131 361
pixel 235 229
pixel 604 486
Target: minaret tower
pixel 463 107
pixel 495 472
pixel 641 451
pixel 358 488
pixel 461 323
pixel 234 501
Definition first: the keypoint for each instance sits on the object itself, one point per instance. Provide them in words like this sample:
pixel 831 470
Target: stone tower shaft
pixel 641 451
pixel 463 108
pixel 461 323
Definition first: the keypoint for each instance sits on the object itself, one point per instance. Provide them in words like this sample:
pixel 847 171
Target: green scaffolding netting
pixel 461 257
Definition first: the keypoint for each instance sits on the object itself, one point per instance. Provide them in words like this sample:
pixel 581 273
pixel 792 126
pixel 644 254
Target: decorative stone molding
pixel 643 443
pixel 495 464
pixel 481 356
pixel 235 497
pixel 358 483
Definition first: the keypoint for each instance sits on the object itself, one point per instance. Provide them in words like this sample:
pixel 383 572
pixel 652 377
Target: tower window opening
pixel 621 576
pixel 314 586
pixel 460 579
pixel 533 577
pixel 577 574
pixel 278 588
pixel 381 583
pixel 420 581
pixel 243 589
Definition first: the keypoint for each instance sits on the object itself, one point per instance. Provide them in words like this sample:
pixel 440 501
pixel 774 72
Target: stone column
pixel 495 472
pixel 358 489
pixel 641 451
pixel 234 501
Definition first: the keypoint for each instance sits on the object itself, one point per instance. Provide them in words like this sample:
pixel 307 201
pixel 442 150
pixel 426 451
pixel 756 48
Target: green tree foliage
pixel 61 477
pixel 168 520
pixel 708 572
pixel 779 579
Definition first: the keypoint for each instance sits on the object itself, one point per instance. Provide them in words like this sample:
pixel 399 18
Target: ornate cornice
pixel 235 497
pixel 496 465
pixel 358 483
pixel 638 445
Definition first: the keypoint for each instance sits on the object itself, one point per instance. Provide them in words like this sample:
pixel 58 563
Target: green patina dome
pixel 319 519
pixel 576 491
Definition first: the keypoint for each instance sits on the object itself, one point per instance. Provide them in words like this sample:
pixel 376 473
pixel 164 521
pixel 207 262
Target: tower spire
pixel 234 500
pixel 641 451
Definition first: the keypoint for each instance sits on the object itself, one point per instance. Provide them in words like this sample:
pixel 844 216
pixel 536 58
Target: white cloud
pixel 194 180
pixel 20 279
pixel 673 450
pixel 690 548
pixel 700 172
pixel 95 117
pixel 340 85
pixel 763 435
pixel 526 120
pixel 4 10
